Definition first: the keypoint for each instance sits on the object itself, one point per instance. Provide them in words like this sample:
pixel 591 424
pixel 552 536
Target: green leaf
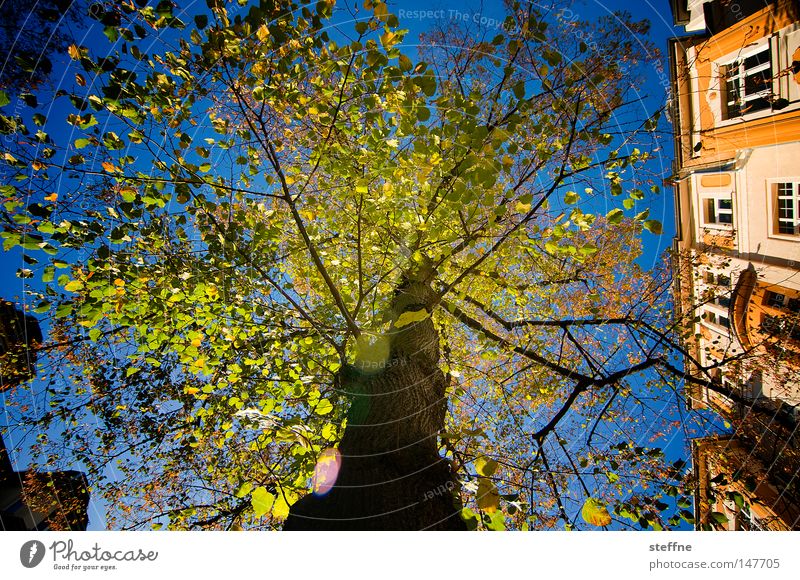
pixel 244 489
pixel 486 466
pixel 46 228
pixel 4 100
pixel 615 216
pixel 262 501
pixel 29 100
pixel 470 519
pixel 719 518
pixel 111 33
pixel 653 226
pixel 74 286
pixel 63 310
pixel 495 521
pixel 323 407
pixel 81 143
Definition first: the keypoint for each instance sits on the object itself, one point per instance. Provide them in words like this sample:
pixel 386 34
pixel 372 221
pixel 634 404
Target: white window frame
pixel 712 310
pixel 719 81
pixel 717 211
pixel 789 200
pixel 774 197
pixel 787 39
pixel 782 88
pixel 740 75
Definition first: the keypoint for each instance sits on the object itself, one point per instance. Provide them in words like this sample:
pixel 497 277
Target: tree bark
pixel 391 476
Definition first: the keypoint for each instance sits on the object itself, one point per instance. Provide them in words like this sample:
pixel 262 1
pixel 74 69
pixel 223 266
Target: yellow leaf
pixel 380 10
pixel 410 316
pixel 388 39
pixel 262 33
pixel 109 167
pixel 372 352
pixel 522 207
pixel 405 63
pixel 51 197
pixel 262 501
pixel 119 282
pixel 197 341
pixel 488 497
pixel 485 466
pixel 73 286
pixel 280 509
pixel 595 513
pixel 191 390
pixel 74 52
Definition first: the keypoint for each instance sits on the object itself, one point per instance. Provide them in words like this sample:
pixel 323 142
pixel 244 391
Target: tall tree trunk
pixel 391 475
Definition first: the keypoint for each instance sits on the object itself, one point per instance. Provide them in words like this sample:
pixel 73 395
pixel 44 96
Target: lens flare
pixel 326 471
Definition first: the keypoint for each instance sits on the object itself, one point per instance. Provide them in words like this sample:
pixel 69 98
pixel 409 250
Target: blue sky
pixel 652 96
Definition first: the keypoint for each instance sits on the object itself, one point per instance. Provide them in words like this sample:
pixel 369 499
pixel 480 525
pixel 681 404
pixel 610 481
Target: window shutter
pixel 790 57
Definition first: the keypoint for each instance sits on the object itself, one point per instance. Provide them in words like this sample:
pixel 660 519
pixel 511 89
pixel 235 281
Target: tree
pixel 274 251
pixel 30 33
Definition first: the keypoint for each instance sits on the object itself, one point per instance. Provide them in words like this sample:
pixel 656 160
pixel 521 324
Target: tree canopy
pixel 221 214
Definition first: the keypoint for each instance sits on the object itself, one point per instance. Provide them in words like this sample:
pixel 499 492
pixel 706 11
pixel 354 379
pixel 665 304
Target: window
pixel 719 211
pixel 788 208
pixel 723 301
pixel 747 84
pixel 780 326
pixel 775 300
pixel 718 319
pixel 771 324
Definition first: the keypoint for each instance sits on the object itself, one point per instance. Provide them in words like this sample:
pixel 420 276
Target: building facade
pixel 736 118
pixel 37 500
pixel 19 333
